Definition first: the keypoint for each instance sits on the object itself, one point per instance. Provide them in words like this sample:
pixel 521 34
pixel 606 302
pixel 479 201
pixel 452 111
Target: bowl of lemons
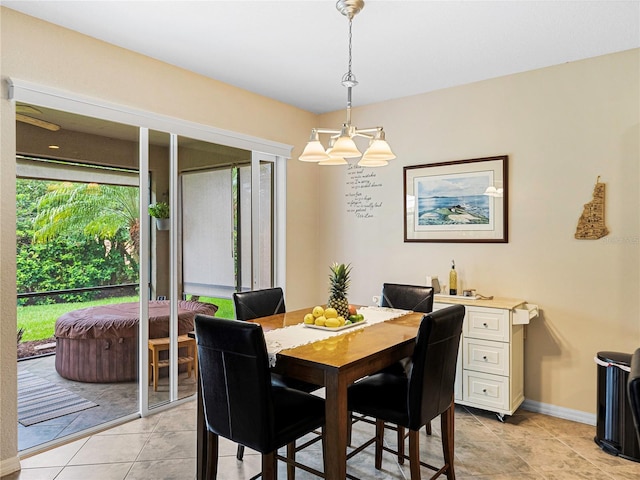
pixel 328 318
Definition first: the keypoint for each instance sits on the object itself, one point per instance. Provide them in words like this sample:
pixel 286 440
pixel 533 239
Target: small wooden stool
pixel 157 345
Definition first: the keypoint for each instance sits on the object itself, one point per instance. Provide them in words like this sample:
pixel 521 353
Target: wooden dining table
pixel 334 363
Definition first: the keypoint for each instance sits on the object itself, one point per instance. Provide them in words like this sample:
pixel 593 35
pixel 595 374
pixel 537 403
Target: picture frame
pixel 462 201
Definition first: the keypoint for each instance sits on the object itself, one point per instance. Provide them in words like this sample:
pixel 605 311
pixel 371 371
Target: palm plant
pixel 98 211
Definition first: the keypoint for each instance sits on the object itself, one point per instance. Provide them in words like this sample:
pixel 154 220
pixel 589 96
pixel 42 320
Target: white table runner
pixel 297 335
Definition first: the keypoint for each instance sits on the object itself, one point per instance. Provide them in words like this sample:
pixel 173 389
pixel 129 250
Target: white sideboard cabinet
pixel 490 370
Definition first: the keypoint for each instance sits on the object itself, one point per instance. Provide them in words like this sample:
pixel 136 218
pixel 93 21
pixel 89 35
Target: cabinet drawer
pixel 486 356
pixel 457 387
pixel 486 390
pixel 487 324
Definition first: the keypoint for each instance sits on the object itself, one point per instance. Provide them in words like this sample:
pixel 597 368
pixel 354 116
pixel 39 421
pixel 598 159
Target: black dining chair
pixel 258 303
pixel 407 297
pixel 414 400
pixel 262 303
pixel 416 298
pixel 633 390
pixel 241 403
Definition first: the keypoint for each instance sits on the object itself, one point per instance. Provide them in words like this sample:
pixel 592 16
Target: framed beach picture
pixel 459 201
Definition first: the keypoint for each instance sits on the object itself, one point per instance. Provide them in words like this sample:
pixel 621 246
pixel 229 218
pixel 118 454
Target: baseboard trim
pixel 9 465
pixel 560 412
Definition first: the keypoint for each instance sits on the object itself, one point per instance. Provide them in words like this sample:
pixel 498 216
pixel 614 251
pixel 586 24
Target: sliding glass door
pixel 224 202
pixel 210 231
pixel 228 226
pixel 226 212
pixel 78 256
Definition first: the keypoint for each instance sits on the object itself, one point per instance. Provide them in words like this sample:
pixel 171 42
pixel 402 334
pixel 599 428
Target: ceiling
pixel 296 51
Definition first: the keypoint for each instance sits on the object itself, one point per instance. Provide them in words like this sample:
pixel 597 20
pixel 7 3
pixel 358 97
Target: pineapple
pixel 338 286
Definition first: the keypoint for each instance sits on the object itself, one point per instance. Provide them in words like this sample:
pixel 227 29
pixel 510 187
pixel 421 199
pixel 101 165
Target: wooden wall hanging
pixel 591 223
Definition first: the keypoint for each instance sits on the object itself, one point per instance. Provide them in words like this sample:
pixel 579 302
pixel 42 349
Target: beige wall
pixel 8 388
pixel 560 126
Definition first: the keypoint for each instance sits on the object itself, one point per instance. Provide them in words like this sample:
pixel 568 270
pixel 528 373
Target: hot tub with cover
pixel 100 344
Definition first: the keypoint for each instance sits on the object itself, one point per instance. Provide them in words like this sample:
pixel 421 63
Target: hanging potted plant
pixel 160 211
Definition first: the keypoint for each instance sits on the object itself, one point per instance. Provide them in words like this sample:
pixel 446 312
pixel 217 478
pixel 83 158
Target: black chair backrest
pixel 259 303
pixel 407 297
pixel 235 381
pixel 633 389
pixel 434 365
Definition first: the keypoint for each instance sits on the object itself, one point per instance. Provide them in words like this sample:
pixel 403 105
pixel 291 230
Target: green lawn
pixel 225 306
pixel 39 321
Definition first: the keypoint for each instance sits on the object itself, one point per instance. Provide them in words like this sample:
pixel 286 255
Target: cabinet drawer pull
pixel 484 390
pixel 484 357
pixel 485 325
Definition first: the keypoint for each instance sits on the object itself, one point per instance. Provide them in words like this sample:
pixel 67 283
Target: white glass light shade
pixel 378 150
pixel 313 152
pixel 334 161
pixel 345 147
pixel 372 162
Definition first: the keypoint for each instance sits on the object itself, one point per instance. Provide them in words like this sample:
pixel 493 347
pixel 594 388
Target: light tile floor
pixel 527 446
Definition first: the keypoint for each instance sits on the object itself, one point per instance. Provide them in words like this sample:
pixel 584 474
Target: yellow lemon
pixel 341 320
pixel 330 313
pixel 309 318
pixel 318 311
pixel 320 321
pixel 332 323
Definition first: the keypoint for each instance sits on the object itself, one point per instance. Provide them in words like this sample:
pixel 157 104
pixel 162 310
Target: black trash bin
pixel 615 431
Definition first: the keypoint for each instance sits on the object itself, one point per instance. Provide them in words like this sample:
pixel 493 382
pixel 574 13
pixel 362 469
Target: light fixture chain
pixel 350 48
pixel 349 79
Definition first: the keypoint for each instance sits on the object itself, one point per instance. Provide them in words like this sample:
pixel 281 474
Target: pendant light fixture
pixel 341 144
